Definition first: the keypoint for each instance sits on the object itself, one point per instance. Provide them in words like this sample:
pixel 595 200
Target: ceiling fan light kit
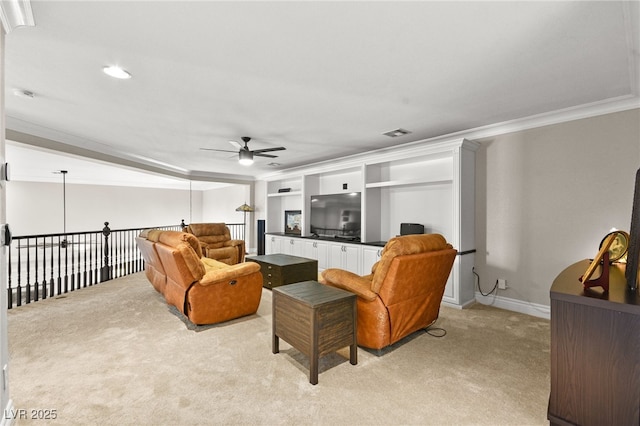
pixel 245 155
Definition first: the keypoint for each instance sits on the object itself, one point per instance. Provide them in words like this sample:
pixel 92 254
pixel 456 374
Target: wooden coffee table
pixel 315 319
pixel 282 269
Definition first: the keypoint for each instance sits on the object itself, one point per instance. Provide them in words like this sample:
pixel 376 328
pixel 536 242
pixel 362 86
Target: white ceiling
pixel 323 79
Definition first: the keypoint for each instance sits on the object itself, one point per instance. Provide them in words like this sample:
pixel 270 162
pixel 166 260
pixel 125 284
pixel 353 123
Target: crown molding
pixel 16 13
pixel 594 109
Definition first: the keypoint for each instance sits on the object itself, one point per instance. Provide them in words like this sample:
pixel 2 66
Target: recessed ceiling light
pixel 23 93
pixel 397 132
pixel 116 72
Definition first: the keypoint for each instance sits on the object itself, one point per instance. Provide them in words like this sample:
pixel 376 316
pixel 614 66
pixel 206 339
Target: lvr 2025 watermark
pixel 30 414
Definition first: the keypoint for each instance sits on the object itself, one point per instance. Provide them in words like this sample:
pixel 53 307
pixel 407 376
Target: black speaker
pixel 261 237
pixel 411 228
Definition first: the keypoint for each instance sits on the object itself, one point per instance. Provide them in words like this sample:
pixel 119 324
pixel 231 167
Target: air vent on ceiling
pixel 397 132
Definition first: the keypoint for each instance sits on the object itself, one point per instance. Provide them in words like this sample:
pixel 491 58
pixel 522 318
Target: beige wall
pixel 219 205
pixel 546 197
pixel 37 208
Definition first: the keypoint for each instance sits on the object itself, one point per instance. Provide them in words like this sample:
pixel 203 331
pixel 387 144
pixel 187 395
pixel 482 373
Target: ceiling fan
pixel 245 155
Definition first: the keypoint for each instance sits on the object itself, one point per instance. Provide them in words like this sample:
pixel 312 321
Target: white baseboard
pixel 8 415
pixel 515 305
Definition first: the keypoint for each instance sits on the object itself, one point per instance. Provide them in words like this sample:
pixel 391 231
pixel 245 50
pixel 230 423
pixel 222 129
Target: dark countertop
pixel 334 239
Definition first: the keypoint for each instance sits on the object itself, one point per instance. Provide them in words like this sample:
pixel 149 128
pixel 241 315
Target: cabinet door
pixel 335 255
pixel 273 244
pixel 345 256
pixel 370 255
pixel 287 246
pixel 322 255
pixel 351 258
pixel 317 250
pixel 310 250
pixel 293 246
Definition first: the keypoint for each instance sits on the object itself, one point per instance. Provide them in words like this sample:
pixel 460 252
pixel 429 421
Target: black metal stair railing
pixel 49 265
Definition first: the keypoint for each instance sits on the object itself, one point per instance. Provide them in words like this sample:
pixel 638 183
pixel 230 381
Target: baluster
pixel 116 258
pixel 78 268
pixel 125 254
pixel 138 253
pixel 52 289
pixel 65 244
pixel 44 268
pixel 36 283
pixel 9 287
pixel 84 274
pixel 59 265
pixel 99 250
pixel 19 287
pixel 93 246
pixel 96 258
pixel 119 253
pixel 72 276
pixel 130 252
pixel 28 283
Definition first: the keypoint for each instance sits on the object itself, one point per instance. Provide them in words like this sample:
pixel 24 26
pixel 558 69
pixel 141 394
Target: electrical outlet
pixel 502 283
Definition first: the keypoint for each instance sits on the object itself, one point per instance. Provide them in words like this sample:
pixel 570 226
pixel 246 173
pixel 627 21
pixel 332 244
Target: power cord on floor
pixel 435 331
pixel 480 288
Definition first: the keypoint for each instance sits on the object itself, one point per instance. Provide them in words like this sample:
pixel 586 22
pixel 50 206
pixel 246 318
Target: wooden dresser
pixel 595 351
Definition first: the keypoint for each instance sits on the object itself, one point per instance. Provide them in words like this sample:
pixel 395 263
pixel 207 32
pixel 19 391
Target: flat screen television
pixel 336 215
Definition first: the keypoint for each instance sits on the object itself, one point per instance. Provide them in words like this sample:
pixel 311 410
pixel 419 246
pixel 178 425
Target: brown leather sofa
pixel 404 290
pixel 215 240
pixel 205 290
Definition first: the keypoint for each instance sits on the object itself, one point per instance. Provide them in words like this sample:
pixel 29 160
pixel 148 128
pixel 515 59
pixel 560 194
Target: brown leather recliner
pixel 404 290
pixel 215 240
pixel 205 290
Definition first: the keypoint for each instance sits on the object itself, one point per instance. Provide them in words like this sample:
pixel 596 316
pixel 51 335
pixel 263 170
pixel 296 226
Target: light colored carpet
pixel 113 354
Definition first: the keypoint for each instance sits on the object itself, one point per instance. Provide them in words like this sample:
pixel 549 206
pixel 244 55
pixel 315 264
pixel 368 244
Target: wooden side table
pixel 315 319
pixel 282 269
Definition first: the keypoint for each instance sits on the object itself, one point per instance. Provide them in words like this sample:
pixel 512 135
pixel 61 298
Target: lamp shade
pixel 244 208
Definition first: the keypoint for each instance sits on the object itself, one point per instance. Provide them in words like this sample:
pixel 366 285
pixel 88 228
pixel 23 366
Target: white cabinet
pixel 283 244
pixel 319 250
pixel 273 244
pixel 292 246
pixel 345 256
pixel 370 255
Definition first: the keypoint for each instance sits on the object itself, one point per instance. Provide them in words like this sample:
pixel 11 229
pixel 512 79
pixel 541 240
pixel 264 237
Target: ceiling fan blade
pixel 259 154
pixel 236 144
pixel 279 148
pixel 213 149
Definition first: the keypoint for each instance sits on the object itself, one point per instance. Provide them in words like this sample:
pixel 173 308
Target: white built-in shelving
pixel 428 183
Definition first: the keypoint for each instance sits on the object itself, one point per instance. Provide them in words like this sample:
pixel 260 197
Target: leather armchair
pixel 215 240
pixel 404 290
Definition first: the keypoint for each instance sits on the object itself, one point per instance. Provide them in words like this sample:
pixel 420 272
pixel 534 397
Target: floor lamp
pixel 245 208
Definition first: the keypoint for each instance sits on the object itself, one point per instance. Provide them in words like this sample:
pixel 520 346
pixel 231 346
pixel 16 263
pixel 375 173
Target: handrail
pixel 42 266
